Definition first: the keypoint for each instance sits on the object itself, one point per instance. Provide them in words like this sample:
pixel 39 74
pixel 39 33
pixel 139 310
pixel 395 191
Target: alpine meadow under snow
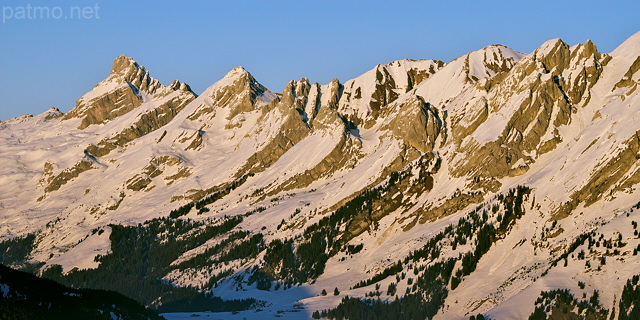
pixel 500 183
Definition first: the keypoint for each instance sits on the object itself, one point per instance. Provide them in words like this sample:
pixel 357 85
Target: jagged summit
pixel 236 72
pixel 474 71
pixel 124 64
pixel 236 76
pixel 126 69
pixel 548 46
pixel 368 97
pixel 52 113
pixel 128 86
pixel 237 81
pixel 490 60
pixel 586 49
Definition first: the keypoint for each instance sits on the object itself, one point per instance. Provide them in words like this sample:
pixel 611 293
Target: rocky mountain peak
pixel 585 50
pixel 590 47
pixel 238 77
pixel 237 90
pixel 238 73
pixel 239 70
pixel 549 46
pixel 124 65
pixel 121 92
pixel 181 86
pixel 553 54
pixel 295 90
pixel 490 60
pixel 53 113
pixel 125 69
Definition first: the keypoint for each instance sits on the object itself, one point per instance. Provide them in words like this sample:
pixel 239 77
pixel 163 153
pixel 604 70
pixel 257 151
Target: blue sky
pixel 52 61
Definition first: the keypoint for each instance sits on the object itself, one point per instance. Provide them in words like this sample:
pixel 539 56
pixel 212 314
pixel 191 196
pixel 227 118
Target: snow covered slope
pixel 463 187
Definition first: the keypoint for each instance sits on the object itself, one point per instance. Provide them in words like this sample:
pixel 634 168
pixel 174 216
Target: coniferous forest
pixel 26 297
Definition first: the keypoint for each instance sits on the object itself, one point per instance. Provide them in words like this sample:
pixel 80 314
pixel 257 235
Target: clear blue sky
pixel 52 62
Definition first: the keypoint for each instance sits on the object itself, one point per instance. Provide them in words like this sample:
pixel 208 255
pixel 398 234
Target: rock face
pixel 482 176
pixel 127 87
pixel 549 85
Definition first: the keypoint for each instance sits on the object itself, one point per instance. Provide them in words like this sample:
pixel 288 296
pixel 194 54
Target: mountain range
pixel 500 184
